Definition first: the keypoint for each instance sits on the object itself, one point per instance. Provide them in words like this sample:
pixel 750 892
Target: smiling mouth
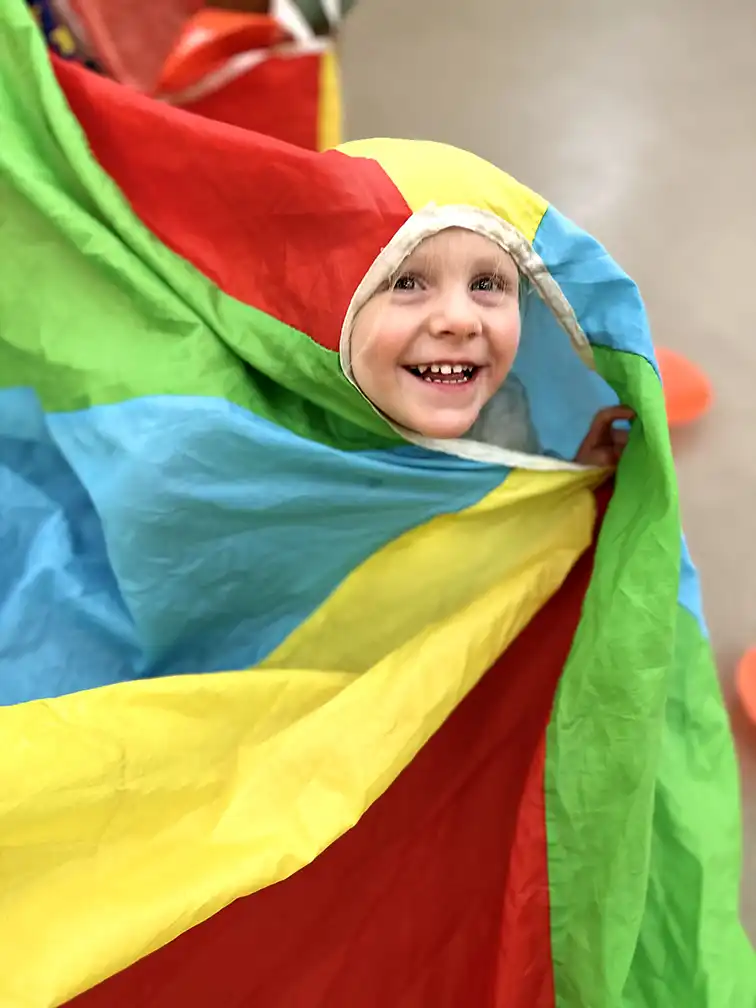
pixel 444 374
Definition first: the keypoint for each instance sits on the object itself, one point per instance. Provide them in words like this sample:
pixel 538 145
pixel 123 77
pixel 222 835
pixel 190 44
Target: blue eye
pixel 404 282
pixel 489 282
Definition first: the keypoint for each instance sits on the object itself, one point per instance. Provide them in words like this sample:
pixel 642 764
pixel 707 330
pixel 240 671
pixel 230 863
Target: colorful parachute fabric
pixel 296 712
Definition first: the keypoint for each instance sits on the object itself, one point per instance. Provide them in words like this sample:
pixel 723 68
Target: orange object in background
pixel 210 39
pixel 687 390
pixel 746 683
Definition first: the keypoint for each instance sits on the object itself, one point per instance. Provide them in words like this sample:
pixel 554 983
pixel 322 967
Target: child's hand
pixel 603 444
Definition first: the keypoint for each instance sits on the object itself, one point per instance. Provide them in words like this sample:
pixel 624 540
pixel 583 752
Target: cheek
pixel 377 345
pixel 507 337
pixel 362 368
pixel 372 358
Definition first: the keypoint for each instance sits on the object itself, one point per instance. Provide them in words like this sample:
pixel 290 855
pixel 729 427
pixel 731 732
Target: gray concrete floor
pixel 638 120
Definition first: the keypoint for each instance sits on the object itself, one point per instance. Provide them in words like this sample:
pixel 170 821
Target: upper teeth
pixel 443 368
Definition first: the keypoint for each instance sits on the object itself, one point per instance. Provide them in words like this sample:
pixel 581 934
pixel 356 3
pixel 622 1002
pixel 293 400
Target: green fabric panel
pixel 692 949
pixel 616 749
pixel 605 733
pixel 123 316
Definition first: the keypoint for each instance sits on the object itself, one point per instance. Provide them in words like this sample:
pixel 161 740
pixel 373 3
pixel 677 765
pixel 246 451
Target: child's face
pixel 431 348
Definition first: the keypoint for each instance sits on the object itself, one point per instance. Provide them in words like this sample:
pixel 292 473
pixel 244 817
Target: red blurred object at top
pixel 267 72
pixel 132 38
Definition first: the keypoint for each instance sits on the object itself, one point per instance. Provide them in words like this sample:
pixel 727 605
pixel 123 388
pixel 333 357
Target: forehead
pixel 461 246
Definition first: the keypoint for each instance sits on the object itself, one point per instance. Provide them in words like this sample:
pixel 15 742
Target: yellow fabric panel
pixel 265 767
pixel 425 577
pixel 329 103
pixel 427 172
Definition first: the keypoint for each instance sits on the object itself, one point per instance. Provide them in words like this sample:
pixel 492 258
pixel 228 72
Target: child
pixel 432 347
pixel 236 614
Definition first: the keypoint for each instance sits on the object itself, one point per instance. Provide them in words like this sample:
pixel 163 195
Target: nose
pixel 455 315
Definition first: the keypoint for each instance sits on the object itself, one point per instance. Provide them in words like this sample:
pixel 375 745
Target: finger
pixel 614 413
pixel 598 431
pixel 605 458
pixel 601 429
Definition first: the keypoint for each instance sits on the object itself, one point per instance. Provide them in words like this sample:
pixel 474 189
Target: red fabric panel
pixel 287 230
pixel 280 98
pixel 438 898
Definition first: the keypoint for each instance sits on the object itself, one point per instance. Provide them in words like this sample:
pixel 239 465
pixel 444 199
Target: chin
pixel 453 427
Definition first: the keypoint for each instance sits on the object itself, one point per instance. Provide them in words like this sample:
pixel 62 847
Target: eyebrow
pixel 492 263
pixel 496 264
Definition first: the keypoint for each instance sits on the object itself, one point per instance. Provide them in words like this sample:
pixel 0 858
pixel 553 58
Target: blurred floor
pixel 639 122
